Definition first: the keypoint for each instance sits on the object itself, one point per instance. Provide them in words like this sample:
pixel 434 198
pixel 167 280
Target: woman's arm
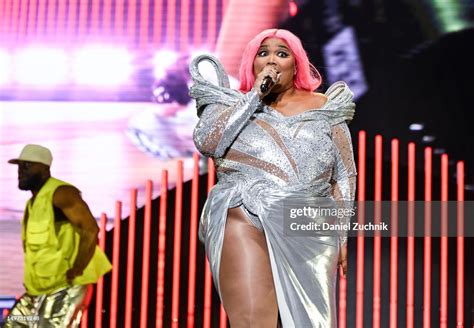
pixel 219 125
pixel 344 174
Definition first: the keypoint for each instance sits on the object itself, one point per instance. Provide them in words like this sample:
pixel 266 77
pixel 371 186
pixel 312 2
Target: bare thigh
pixel 246 281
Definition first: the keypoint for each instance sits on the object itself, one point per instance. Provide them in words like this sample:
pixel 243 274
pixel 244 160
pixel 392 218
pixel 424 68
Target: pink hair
pixel 307 76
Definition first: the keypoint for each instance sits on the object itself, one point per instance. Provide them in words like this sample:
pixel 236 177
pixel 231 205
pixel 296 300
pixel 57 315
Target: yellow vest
pixel 51 247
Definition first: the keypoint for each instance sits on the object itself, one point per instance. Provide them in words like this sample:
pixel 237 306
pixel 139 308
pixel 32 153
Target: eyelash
pixel 264 53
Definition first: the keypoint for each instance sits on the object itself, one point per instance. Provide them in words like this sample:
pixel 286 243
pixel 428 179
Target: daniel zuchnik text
pixel 355 226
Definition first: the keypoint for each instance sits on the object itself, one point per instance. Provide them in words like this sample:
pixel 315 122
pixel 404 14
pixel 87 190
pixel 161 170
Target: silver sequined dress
pixel 266 162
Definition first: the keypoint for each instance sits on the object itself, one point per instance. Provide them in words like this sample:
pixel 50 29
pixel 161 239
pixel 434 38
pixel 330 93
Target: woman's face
pixel 276 52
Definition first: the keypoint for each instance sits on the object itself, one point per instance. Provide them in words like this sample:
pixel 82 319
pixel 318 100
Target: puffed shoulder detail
pixel 205 92
pixel 340 92
pixel 341 106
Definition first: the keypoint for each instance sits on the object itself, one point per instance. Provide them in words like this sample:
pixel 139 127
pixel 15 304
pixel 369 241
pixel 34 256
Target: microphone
pixel 267 84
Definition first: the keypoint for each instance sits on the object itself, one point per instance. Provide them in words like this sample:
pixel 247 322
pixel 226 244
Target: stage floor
pixel 91 150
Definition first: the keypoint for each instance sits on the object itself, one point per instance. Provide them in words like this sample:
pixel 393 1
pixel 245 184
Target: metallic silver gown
pixel 266 163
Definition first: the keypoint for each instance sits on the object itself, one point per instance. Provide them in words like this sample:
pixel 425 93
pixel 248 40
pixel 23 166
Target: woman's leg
pixel 246 281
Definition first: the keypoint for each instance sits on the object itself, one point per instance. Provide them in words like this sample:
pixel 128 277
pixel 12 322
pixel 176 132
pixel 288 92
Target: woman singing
pixel 277 146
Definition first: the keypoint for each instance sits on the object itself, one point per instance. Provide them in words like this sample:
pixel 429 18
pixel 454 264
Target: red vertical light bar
pixel 427 241
pixel 20 26
pixel 14 16
pixel 211 24
pixel 95 17
pixel 83 10
pixel 130 258
pixel 222 318
pixel 193 241
pixel 71 18
pixel 184 28
pixel 51 19
pixel 40 25
pixel 118 18
pixel 85 319
pixel 410 239
pixel 85 313
pixel 207 295
pixel 177 246
pixel 170 24
pixel 377 238
pixel 146 254
pixel 132 20
pixel 394 236
pixel 100 283
pixel 207 271
pixel 443 319
pixel 460 246
pixel 360 237
pixel 107 17
pixel 198 5
pixel 160 287
pixel 116 265
pixel 144 21
pixel 157 17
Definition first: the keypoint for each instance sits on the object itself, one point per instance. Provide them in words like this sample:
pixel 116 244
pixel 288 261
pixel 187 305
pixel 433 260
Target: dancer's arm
pixel 68 199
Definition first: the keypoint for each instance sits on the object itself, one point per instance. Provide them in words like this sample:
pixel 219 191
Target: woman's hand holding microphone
pixel 266 80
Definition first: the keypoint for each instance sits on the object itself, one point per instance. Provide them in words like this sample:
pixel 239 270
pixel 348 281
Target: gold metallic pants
pixel 63 308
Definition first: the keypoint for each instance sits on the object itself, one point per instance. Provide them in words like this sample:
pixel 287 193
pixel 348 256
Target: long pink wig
pixel 307 76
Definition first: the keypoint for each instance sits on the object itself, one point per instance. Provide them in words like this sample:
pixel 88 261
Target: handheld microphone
pixel 267 84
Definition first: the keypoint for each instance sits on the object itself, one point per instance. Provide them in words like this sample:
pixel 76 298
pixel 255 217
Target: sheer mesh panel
pixel 344 175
